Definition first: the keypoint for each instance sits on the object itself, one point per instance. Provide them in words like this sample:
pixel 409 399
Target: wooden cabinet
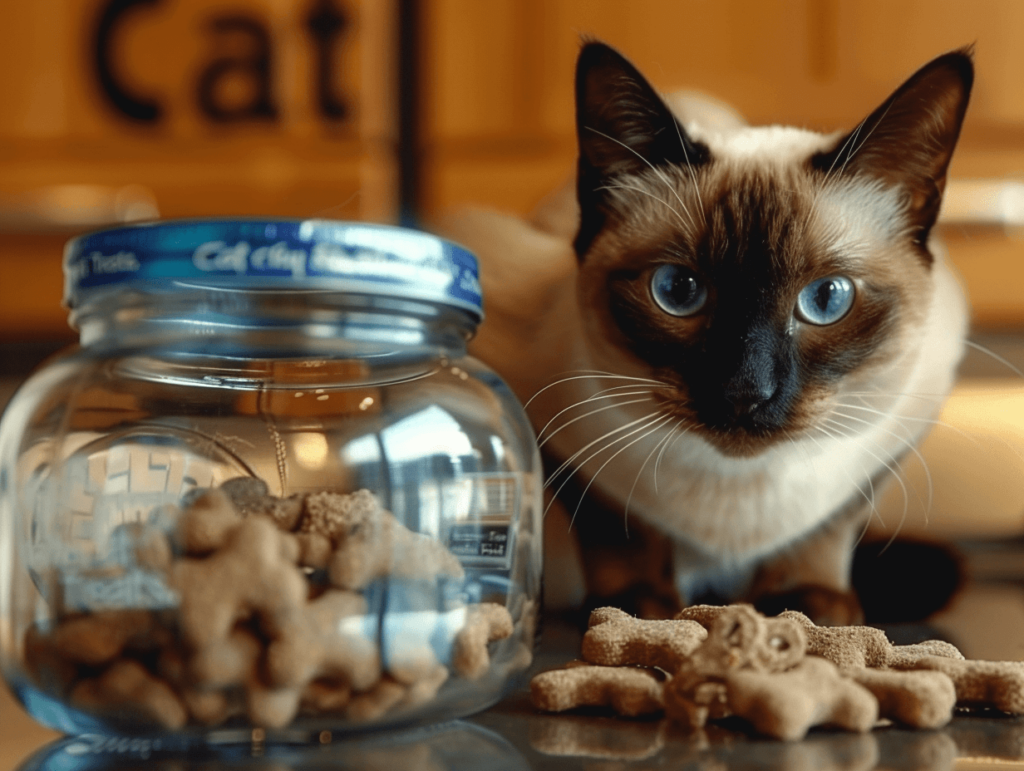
pixel 498 84
pixel 498 90
pixel 117 110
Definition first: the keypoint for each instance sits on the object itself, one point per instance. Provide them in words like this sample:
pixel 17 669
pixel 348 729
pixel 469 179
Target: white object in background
pixel 995 202
pixel 76 207
pixel 976 460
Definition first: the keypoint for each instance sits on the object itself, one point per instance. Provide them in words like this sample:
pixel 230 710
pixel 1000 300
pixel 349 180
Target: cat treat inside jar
pixel 225 517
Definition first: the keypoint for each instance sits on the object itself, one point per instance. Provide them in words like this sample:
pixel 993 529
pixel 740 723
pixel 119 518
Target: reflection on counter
pixel 594 741
pixel 455 745
pixel 586 741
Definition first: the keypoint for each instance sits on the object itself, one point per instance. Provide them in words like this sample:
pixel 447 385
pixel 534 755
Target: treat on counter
pixel 741 638
pixel 845 646
pixel 630 691
pixel 572 736
pixel 864 646
pixel 916 699
pixel 785 705
pixel 906 656
pixel 992 684
pixel 615 638
pixel 783 675
pixel 738 638
pixel 260 629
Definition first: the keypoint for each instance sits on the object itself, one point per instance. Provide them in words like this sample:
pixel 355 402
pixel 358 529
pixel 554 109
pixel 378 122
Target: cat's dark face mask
pixel 736 284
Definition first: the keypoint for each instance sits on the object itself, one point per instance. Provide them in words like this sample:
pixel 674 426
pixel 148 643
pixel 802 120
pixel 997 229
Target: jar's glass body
pixel 110 447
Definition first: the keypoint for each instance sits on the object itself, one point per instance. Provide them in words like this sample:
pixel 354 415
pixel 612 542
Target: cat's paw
pixel 824 606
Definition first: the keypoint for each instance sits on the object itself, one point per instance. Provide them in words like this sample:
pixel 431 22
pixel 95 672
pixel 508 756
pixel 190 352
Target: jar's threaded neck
pixel 305 321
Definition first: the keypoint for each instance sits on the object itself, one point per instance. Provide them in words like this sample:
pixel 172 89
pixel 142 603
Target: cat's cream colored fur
pixel 724 514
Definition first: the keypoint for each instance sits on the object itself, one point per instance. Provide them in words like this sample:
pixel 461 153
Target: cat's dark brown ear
pixel 909 140
pixel 623 127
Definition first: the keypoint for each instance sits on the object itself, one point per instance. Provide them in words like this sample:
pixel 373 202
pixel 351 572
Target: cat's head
pixel 760 272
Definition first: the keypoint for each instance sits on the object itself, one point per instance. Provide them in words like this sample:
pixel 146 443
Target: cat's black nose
pixel 748 397
pixel 748 383
pixel 754 382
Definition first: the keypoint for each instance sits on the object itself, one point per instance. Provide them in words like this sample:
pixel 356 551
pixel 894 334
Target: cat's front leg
pixel 813 574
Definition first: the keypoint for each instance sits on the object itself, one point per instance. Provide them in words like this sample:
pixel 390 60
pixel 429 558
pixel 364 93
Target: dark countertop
pixel 986 620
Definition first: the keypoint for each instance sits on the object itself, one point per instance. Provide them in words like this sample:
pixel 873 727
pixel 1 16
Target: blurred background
pixel 396 110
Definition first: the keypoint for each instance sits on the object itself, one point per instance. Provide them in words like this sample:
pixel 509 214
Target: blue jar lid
pixel 274 254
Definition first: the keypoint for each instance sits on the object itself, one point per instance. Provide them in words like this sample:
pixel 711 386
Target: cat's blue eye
pixel 677 291
pixel 825 301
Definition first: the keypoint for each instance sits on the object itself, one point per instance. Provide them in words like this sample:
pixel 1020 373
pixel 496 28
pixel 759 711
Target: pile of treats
pixel 783 675
pixel 252 633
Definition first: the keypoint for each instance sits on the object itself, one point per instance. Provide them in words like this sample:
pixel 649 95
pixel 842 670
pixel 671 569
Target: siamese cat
pixel 727 336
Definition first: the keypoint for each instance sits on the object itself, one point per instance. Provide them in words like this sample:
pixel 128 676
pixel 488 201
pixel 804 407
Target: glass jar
pixel 269 490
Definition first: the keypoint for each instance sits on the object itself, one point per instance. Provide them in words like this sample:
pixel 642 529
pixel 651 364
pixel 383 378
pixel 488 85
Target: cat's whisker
pixel 897 475
pixel 844 431
pixel 795 440
pixel 910 446
pixel 659 422
pixel 606 373
pixel 599 396
pixel 675 436
pixel 900 421
pixel 934 398
pixel 994 355
pixel 871 485
pixel 689 167
pixel 976 442
pixel 645 422
pixel 661 454
pixel 827 180
pixel 874 512
pixel 904 418
pixel 867 522
pixel 891 416
pixel 661 443
pixel 864 141
pixel 591 374
pixel 568 423
pixel 964 434
pixel 876 391
pixel 907 436
pixel 852 137
pixel 649 194
pixel 658 172
pixel 554 475
pixel 1001 440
